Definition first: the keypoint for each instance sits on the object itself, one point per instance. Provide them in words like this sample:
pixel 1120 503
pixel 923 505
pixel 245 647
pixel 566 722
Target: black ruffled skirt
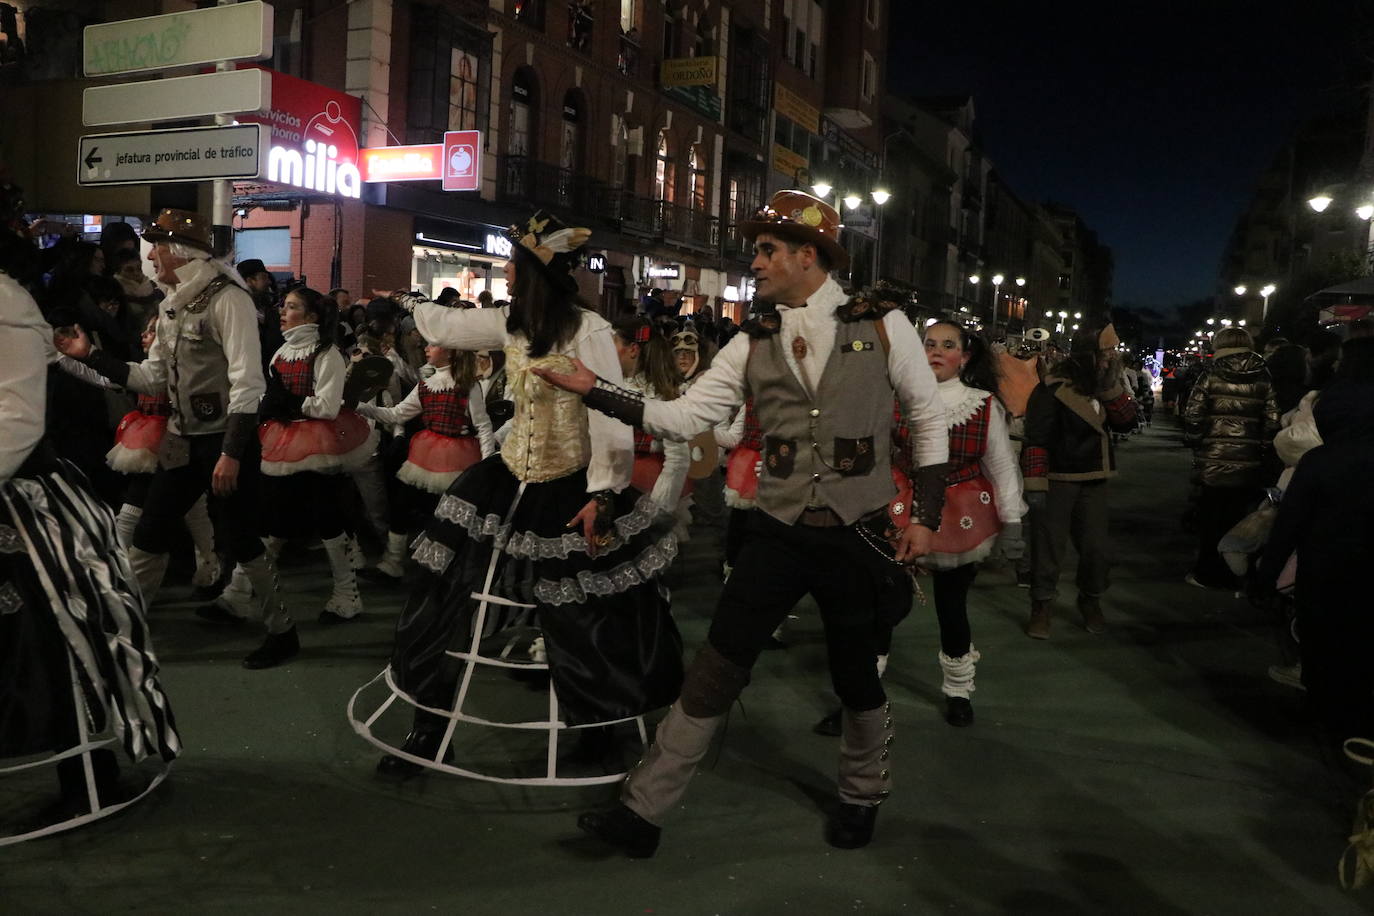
pixel 613 649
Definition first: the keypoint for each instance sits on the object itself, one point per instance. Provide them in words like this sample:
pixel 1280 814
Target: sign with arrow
pixel 233 151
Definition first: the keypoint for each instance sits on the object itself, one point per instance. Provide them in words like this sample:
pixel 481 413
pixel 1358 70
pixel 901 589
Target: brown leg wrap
pixel 865 746
pixel 712 683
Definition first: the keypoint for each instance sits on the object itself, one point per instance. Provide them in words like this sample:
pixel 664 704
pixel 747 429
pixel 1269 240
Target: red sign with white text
pixel 302 111
pixel 402 163
pixel 462 158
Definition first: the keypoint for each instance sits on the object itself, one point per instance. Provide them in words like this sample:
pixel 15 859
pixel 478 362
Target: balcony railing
pixel 627 60
pixel 529 181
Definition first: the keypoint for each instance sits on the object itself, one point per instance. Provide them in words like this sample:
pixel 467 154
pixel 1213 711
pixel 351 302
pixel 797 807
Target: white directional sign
pixel 178 98
pixel 192 154
pixel 239 31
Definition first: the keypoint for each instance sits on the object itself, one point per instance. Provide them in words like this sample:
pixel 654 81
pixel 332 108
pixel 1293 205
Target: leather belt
pixel 821 517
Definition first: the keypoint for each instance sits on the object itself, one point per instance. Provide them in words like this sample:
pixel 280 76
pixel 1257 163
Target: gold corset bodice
pixel 548 437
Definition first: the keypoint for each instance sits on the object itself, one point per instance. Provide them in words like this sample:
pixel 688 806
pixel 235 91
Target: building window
pixel 749 84
pixel 663 170
pixel 697 169
pixel 450 75
pixel 570 147
pixel 580 23
pixel 669 35
pixel 620 166
pixel 629 15
pixel 529 12
pixel 523 102
pixel 869 78
pixel 271 246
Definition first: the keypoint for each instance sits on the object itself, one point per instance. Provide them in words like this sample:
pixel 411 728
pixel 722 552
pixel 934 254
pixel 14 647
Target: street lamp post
pixel 1266 291
pixel 997 281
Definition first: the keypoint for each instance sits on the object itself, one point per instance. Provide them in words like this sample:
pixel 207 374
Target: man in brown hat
pixel 206 359
pixel 823 370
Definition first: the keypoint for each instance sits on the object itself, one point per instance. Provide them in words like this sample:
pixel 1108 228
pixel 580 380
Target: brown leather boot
pixel 1091 609
pixel 1039 626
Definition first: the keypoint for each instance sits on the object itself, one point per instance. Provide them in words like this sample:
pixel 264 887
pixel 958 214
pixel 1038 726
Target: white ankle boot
pixel 393 563
pixel 344 603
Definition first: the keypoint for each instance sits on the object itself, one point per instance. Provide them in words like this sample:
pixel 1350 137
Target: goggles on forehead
pixel 685 340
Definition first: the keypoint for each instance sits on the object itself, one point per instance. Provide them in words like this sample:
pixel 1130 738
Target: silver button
pixel 815 476
pixel 815 411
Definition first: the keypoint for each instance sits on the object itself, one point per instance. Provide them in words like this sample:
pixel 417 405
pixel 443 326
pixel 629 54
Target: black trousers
pixel 1218 510
pixel 779 565
pixel 409 508
pixel 173 491
pixel 736 530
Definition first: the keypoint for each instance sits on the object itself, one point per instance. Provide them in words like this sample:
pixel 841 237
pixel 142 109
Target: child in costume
pixel 457 434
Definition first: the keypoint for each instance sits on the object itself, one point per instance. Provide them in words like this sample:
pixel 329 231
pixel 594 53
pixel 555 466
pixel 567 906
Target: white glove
pixel 1012 544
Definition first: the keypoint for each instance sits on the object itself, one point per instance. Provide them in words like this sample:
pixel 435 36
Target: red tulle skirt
pixel 646 473
pixel 340 444
pixel 436 460
pixel 742 478
pixel 137 440
pixel 968 524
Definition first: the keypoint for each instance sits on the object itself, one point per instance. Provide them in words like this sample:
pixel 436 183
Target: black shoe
pixel 622 828
pixel 774 643
pixel 213 613
pixel 329 618
pixel 829 726
pixel 373 574
pixel 275 649
pixel 851 826
pixel 419 744
pixel 958 711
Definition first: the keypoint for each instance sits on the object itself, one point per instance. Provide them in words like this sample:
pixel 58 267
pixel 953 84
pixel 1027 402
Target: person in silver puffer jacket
pixel 1229 421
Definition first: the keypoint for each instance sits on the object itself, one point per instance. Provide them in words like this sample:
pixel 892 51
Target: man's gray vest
pixel 197 370
pixel 832 450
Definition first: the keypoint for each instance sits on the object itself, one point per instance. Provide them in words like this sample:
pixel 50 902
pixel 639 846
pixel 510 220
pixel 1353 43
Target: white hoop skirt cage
pixel 78 679
pixel 508 599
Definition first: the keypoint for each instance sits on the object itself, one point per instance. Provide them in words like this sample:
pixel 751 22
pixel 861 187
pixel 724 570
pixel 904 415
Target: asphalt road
pixel 1152 770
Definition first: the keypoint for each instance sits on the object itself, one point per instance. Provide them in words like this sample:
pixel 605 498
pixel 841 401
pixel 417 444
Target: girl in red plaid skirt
pixel 647 361
pixel 982 498
pixel 457 434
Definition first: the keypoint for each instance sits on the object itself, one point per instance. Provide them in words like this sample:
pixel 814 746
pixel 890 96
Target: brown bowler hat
pixel 800 217
pixel 180 226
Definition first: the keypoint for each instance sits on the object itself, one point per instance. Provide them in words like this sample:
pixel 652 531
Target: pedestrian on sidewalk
pixel 823 372
pixel 1067 460
pixel 1327 518
pixel 1229 420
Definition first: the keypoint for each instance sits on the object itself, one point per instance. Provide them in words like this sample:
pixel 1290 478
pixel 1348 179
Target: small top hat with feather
pixel 552 246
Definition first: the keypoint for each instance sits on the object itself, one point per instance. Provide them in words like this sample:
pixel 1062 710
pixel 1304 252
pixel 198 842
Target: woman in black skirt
pixel 546 533
pixel 78 679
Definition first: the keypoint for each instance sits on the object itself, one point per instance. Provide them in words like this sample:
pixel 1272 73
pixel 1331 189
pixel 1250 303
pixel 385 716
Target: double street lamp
pixel 1267 289
pixel 852 201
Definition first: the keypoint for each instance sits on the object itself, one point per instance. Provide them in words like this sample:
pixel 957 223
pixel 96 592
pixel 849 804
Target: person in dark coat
pixel 262 286
pixel 1230 419
pixel 1327 517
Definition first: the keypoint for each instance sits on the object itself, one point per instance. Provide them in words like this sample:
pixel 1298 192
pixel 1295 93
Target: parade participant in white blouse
pixel 822 373
pixel 546 532
pixel 456 436
pixel 208 360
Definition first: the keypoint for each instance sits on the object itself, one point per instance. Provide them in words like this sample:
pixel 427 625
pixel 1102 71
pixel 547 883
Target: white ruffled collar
pixel 961 402
pixel 441 380
pixel 825 300
pixel 301 341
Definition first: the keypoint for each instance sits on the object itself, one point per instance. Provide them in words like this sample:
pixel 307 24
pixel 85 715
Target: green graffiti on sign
pixel 158 46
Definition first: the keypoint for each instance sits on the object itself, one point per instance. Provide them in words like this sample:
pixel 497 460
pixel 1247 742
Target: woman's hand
pixel 914 543
pixel 72 342
pixel 586 520
pixel 579 381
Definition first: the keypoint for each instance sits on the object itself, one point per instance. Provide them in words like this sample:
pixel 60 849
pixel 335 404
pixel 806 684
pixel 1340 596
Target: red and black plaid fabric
pixel 155 405
pixel 753 434
pixel 968 442
pixel 1035 461
pixel 644 443
pixel 297 375
pixel 1120 410
pixel 445 412
pixel 901 440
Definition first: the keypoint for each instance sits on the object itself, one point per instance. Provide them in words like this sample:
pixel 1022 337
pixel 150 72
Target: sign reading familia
pixel 314 141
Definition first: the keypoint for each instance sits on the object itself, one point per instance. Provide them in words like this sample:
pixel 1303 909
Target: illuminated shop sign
pixel 665 271
pixel 596 263
pixel 314 137
pixel 403 163
pixel 497 245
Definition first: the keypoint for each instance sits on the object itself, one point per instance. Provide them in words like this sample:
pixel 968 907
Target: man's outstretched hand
pixel 579 381
pixel 72 342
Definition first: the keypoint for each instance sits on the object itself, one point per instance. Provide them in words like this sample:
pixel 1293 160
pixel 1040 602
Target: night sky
pixel 1152 120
